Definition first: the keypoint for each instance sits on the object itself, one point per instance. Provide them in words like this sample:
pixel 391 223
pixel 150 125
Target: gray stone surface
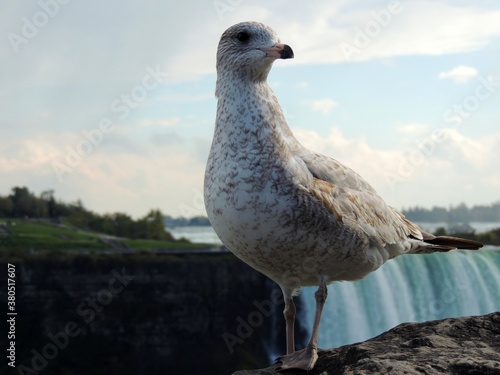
pixel 469 345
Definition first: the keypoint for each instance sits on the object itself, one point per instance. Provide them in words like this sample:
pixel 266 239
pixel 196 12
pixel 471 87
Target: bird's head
pixel 248 49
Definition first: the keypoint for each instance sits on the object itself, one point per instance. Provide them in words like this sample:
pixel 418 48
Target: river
pixel 206 234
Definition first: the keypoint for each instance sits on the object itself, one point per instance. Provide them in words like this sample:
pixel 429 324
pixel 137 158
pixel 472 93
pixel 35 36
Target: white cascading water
pixel 410 288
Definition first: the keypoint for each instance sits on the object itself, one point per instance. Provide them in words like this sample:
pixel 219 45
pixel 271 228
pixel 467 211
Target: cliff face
pixel 209 314
pixel 460 346
pixel 201 314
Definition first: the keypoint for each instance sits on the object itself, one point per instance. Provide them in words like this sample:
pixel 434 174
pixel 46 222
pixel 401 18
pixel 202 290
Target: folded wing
pixel 356 204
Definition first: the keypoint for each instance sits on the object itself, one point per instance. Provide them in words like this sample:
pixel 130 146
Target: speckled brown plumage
pixel 299 217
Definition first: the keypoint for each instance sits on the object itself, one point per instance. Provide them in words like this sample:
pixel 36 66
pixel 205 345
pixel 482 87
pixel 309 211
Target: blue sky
pixel 112 103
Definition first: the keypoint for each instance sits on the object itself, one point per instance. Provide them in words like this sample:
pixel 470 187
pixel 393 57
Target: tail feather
pixel 455 242
pixel 450 243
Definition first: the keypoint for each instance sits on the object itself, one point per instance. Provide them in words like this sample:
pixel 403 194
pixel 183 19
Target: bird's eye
pixel 243 37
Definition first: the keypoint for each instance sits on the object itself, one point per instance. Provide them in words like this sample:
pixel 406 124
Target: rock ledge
pixel 458 346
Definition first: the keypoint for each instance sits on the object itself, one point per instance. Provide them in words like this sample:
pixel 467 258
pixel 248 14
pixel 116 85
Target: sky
pixel 113 102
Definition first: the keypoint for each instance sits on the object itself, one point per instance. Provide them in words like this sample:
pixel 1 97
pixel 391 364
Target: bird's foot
pixel 303 359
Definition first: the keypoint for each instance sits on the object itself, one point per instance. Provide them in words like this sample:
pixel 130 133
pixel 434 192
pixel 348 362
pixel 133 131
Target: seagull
pixel 298 217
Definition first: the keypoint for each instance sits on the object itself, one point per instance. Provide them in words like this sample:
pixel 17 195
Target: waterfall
pixel 410 288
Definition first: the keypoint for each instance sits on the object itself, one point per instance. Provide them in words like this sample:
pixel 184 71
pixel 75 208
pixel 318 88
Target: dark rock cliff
pixel 200 314
pixel 175 315
pixel 459 346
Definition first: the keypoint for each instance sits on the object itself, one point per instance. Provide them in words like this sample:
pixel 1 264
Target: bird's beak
pixel 279 51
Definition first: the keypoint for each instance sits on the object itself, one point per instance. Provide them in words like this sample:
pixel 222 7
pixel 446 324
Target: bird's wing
pixel 355 203
pixel 327 169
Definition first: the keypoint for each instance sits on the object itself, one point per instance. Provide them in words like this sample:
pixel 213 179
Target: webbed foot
pixel 302 359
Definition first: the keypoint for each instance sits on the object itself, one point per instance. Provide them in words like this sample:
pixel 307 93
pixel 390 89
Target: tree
pixel 152 226
pixel 22 203
pixel 52 207
pixel 26 204
pixel 124 225
pixel 6 206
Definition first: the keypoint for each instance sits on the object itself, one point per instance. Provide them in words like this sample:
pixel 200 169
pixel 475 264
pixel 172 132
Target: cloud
pixel 457 169
pixel 323 105
pixel 318 32
pixel 462 149
pixel 315 31
pixel 160 122
pixel 413 130
pixel 355 152
pixel 303 85
pixel 65 80
pixel 70 50
pixel 110 179
pixel 460 74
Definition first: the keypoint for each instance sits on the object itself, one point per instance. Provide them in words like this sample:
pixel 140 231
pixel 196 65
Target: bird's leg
pixel 320 297
pixel 289 313
pixel 306 358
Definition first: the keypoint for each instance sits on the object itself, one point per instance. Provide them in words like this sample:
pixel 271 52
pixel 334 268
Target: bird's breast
pixel 261 215
pixel 261 210
pixel 247 190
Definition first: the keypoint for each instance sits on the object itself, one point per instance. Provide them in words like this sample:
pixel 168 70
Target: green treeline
pixel 455 214
pixel 172 222
pixel 22 203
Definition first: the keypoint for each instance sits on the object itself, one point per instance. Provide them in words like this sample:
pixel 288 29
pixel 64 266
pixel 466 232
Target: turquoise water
pixel 410 288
